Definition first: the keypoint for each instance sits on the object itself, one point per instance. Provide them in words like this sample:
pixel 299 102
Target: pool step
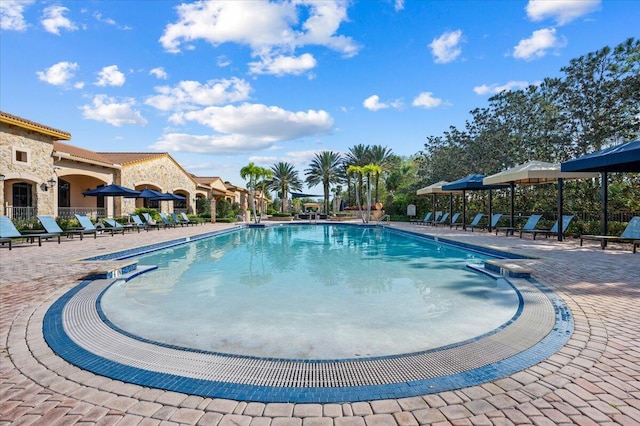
pixel 111 269
pixel 508 268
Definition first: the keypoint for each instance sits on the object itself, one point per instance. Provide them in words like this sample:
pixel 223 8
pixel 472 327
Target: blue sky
pixel 219 84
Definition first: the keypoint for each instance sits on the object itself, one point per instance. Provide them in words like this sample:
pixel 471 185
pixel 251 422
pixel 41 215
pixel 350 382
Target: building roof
pixel 126 158
pixel 33 126
pixel 71 152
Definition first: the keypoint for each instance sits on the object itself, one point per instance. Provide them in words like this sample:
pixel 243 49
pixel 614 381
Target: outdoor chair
pixel 166 221
pixel 178 221
pixel 495 218
pixel 152 222
pixel 432 221
pixel 566 220
pixel 9 232
pixel 474 222
pixel 113 226
pixel 51 226
pixel 530 225
pixel 454 220
pixel 186 219
pixel 442 221
pixel 427 217
pixel 138 223
pixel 631 234
pixel 86 224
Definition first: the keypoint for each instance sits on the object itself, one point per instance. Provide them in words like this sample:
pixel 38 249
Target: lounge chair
pixel 51 226
pixel 177 220
pixel 186 219
pixel 87 225
pixel 495 218
pixel 152 222
pixel 432 221
pixel 631 234
pixel 566 220
pixel 454 220
pixel 474 222
pixel 427 217
pixel 166 221
pixel 9 232
pixel 530 225
pixel 115 226
pixel 138 223
pixel 442 221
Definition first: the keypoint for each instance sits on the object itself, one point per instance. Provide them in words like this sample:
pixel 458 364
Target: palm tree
pixel 325 168
pixel 380 156
pixel 263 181
pixel 285 179
pixel 357 156
pixel 252 172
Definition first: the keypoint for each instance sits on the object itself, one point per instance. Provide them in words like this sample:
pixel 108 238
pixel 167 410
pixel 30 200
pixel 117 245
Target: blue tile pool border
pixel 65 347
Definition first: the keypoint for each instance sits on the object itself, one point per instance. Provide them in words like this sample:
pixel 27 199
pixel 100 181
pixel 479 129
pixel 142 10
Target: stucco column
pixel 213 210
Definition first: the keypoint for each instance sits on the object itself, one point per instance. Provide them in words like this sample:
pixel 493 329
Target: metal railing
pixel 385 217
pixel 93 212
pixel 20 213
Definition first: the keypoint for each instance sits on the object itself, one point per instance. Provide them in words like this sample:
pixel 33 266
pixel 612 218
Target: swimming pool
pixel 77 329
pixel 311 292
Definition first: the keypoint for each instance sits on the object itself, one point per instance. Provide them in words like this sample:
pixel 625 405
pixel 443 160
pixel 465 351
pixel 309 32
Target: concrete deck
pixel 593 379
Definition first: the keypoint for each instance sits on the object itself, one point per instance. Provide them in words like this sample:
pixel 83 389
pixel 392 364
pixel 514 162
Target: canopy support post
pixel 490 212
pixel 604 223
pixel 560 212
pixel 464 210
pixel 512 187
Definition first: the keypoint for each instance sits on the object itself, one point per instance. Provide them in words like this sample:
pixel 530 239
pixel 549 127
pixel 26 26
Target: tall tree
pixel 380 156
pixel 263 181
pixel 361 172
pixel 251 171
pixel 285 179
pixel 357 156
pixel 325 168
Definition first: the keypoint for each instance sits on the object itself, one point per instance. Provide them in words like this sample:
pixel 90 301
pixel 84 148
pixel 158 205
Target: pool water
pixel 311 292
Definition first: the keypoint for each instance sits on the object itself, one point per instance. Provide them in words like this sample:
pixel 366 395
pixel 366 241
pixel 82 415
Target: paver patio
pixel 593 379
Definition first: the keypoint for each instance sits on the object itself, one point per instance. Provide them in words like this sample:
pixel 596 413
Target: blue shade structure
pixel 473 182
pixel 436 189
pixel 620 158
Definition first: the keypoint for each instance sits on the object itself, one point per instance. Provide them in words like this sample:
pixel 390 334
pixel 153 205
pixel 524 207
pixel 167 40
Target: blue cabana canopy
pixel 620 158
pixel 295 195
pixel 472 182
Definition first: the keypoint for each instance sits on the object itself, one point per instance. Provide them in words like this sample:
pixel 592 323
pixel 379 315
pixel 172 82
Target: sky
pixel 219 84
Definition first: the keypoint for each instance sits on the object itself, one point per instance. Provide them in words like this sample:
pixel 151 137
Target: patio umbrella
pixel 620 158
pixel 473 182
pixel 169 197
pixel 434 190
pixel 113 191
pixel 533 173
pixel 146 193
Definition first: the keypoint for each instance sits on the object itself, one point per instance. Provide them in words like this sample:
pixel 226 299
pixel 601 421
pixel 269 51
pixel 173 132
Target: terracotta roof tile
pixel 81 153
pixel 124 158
pixel 32 125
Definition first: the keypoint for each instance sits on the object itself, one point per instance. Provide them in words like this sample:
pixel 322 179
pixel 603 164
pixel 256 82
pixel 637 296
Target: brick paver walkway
pixel 593 380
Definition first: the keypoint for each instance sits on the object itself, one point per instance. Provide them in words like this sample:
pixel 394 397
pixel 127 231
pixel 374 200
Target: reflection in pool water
pixel 311 292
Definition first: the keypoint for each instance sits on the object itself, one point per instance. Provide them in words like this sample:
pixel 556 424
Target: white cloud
pixel 110 76
pixel 159 72
pixel 282 65
pixel 426 100
pixel 53 20
pixel 58 74
pixel 300 159
pixel 399 5
pixel 193 94
pixel 497 88
pixel 11 14
pixel 538 45
pixel 109 110
pixel 446 48
pixel 271 29
pixel 244 128
pixel 563 11
pixel 373 103
pixel 222 61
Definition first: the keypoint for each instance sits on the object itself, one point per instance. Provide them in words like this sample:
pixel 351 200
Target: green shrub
pixel 226 220
pixel 281 215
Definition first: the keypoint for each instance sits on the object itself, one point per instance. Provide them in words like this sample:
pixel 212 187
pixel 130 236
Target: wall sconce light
pixel 1 178
pixel 51 183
